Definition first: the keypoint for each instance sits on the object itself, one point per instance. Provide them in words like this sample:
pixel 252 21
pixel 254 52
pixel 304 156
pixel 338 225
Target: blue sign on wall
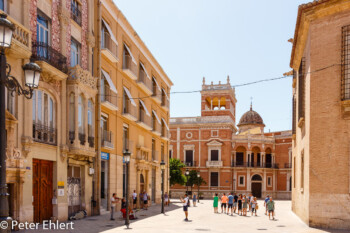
pixel 104 155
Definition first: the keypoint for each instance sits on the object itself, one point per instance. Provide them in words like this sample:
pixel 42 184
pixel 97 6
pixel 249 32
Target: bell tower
pixel 218 99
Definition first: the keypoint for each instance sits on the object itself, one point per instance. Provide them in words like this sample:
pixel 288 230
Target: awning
pixel 166 125
pixel 132 57
pixel 155 80
pixel 109 80
pixel 144 69
pixel 144 107
pixel 129 96
pixel 110 32
pixel 155 114
pixel 165 93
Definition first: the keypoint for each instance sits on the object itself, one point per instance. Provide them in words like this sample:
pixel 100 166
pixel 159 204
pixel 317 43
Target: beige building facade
pixel 321 156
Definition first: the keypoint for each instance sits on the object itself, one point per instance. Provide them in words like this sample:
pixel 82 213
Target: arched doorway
pixel 256 185
pixel 142 183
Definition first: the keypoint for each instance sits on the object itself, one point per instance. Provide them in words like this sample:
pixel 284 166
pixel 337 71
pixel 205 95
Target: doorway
pixel 42 190
pixel 74 190
pixel 104 183
pixel 142 183
pixel 256 186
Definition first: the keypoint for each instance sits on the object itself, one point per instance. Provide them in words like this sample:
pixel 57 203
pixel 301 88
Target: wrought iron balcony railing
pixel 76 14
pixel 82 138
pixel 44 134
pixel 44 52
pixel 189 163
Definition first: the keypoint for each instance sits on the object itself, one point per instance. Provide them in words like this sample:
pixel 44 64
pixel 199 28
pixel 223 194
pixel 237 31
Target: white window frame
pixel 50 109
pixel 39 26
pixel 214 148
pixel 239 181
pixel 75 53
pixel 90 116
pixel 81 114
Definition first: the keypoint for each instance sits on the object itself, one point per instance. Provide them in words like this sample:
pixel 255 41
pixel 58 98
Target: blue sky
pixel 246 40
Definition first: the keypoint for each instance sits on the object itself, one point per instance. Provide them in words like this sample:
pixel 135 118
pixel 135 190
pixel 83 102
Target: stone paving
pixel 202 219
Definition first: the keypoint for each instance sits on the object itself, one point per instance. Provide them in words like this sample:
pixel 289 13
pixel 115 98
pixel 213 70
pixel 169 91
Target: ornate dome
pixel 251 118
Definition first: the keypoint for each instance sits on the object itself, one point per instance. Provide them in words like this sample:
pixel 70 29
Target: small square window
pixel 269 181
pixel 215 133
pixel 241 181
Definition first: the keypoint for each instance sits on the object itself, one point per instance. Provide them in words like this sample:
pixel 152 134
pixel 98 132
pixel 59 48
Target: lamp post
pixel 187 173
pixel 126 158
pixel 162 167
pixel 198 177
pixel 32 75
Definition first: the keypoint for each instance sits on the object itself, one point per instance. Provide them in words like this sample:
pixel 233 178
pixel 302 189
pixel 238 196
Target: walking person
pixel 194 199
pixel 265 203
pixel 166 199
pixel 216 203
pixel 240 204
pixel 224 200
pixel 254 204
pixel 185 204
pixel 141 199
pixel 114 201
pixel 134 199
pixel 145 200
pixel 245 205
pixel 271 208
pixel 250 199
pixel 235 197
pixel 230 204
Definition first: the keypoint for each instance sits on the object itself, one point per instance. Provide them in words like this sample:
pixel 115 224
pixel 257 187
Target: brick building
pixel 238 158
pixel 321 100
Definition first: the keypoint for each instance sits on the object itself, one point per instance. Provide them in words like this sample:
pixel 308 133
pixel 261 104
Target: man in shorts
pixel 271 208
pixel 230 204
pixel 235 197
pixel 265 203
pixel 134 199
pixel 224 200
pixel 145 200
pixel 185 206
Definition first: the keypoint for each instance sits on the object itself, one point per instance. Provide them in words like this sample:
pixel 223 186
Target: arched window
pixel 71 117
pixel 44 117
pixel 81 114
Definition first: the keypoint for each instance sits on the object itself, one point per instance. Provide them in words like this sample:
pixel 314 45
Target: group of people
pixel 242 204
pixel 115 200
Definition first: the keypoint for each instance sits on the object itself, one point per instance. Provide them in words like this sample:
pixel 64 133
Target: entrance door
pixel 74 190
pixel 42 190
pixel 104 183
pixel 256 190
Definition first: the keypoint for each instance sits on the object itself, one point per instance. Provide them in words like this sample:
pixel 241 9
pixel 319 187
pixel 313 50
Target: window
pixel 42 28
pixel 214 133
pixel 10 102
pixel 214 179
pixel 241 181
pixel 154 86
pixel 2 5
pixel 301 90
pixel 75 12
pixel 154 156
pixel 81 115
pixel 89 115
pixel 154 123
pixel 214 155
pixel 239 158
pixel 269 181
pixel 170 154
pixel 189 158
pixel 345 63
pixel 71 119
pixel 74 53
pixel 162 151
pixel 126 138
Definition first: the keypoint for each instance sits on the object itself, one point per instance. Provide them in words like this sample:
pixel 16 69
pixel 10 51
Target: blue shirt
pixel 267 199
pixel 230 199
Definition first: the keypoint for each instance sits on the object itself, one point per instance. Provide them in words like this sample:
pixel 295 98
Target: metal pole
pixel 198 192
pixel 4 205
pixel 127 194
pixel 162 191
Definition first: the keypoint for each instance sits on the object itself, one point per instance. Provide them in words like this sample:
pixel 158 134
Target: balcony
pixel 189 163
pixel 156 94
pixel 75 14
pixel 110 99
pixel 164 133
pixel 71 136
pixel 144 120
pixel 165 101
pixel 44 134
pixel 50 60
pixel 145 82
pixel 271 165
pixel 109 48
pixel 21 41
pixel 78 75
pixel 107 139
pixel 214 163
pixel 254 165
pixel 129 67
pixel 156 127
pixel 129 111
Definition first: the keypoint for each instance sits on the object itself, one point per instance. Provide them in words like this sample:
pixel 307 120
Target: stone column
pixel 262 158
pixel 248 181
pixel 234 157
pixel 273 158
pixel 248 157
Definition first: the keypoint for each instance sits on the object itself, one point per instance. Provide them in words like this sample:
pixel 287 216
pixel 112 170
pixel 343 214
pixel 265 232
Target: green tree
pixel 176 176
pixel 193 179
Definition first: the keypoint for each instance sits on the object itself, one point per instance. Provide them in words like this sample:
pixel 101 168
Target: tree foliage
pixel 193 179
pixel 176 176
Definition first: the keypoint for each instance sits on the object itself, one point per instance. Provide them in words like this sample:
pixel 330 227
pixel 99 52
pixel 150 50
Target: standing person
pixel 240 204
pixel 224 201
pixel 185 206
pixel 254 204
pixel 216 203
pixel 245 205
pixel 235 197
pixel 194 199
pixel 114 200
pixel 250 199
pixel 166 199
pixel 271 208
pixel 265 203
pixel 134 199
pixel 141 199
pixel 145 200
pixel 230 203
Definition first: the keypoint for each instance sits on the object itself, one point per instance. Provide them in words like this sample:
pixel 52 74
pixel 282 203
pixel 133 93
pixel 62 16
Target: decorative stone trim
pixel 79 75
pixel 301 122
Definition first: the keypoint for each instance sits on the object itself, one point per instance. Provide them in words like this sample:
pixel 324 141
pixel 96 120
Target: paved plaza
pixel 202 219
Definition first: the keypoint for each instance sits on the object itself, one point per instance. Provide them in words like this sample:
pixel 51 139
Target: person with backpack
pixel 185 204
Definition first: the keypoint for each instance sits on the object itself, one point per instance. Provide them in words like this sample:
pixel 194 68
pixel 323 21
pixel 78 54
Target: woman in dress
pixel 216 203
pixel 254 203
pixel 245 205
pixel 240 204
pixel 194 199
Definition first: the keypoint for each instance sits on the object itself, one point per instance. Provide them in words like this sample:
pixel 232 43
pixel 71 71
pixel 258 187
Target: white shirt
pixel 112 200
pixel 186 201
pixel 134 195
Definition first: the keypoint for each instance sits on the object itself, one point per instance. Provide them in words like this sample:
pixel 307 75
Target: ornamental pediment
pixel 214 143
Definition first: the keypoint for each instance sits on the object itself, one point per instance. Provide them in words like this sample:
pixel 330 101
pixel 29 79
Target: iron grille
pixel 301 90
pixel 345 63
